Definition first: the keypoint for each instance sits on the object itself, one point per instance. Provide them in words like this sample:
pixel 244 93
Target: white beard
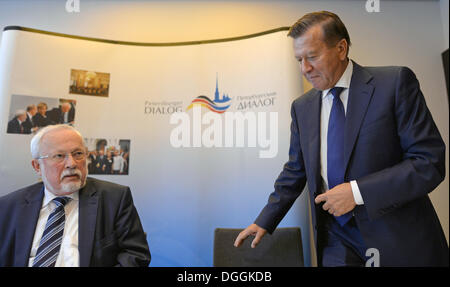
pixel 66 188
pixel 71 187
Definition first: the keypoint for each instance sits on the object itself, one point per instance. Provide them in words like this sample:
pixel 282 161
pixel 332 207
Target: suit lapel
pixel 312 118
pixel 26 223
pixel 360 94
pixel 86 222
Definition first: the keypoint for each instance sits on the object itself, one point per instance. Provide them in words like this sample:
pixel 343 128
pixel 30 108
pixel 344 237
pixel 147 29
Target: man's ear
pixel 36 166
pixel 342 46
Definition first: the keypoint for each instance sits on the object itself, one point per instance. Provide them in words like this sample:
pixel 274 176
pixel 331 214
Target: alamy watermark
pixel 73 6
pixel 374 260
pixel 212 130
pixel 373 6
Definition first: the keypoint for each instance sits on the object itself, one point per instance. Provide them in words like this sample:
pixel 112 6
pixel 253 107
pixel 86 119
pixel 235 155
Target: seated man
pixel 69 219
pixel 15 126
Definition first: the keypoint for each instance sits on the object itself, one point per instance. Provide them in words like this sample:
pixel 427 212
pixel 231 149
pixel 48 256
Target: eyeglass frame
pixel 66 155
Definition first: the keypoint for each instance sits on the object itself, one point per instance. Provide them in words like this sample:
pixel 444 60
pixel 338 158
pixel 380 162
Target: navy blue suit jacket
pixel 393 150
pixel 109 230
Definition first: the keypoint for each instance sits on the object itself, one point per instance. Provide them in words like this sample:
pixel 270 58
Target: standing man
pixel 118 163
pixel 69 219
pixel 29 125
pixel 64 114
pixel 366 143
pixel 100 162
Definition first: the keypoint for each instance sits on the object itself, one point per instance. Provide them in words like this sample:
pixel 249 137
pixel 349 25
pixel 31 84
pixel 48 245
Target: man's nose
pixel 306 66
pixel 69 161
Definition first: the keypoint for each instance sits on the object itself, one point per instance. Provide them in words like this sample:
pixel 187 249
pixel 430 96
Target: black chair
pixel 281 249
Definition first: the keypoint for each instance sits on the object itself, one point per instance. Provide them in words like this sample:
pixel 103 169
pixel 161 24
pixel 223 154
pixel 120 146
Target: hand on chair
pixel 254 230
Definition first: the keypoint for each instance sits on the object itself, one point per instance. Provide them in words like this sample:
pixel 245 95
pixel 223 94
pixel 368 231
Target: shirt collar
pixel 48 196
pixel 345 79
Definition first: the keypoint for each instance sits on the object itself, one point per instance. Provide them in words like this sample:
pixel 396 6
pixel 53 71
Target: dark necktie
pixel 50 243
pixel 335 148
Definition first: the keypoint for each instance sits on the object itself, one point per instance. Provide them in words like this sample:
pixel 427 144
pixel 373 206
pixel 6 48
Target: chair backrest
pixel 281 249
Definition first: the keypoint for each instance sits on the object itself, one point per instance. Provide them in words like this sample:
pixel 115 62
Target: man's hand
pixel 338 200
pixel 254 230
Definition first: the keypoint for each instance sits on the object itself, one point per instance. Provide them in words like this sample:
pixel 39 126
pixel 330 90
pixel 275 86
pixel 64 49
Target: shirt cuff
pixel 356 193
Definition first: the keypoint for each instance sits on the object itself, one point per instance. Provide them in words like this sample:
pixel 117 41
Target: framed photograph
pixel 89 83
pixel 108 156
pixel 27 114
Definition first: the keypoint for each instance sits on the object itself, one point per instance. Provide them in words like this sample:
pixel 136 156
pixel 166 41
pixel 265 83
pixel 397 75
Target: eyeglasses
pixel 60 157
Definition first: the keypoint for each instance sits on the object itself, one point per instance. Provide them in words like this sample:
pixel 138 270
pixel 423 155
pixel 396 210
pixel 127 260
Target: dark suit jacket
pixel 109 230
pixel 98 163
pixel 57 116
pixel 40 121
pixel 28 125
pixel 395 153
pixel 14 127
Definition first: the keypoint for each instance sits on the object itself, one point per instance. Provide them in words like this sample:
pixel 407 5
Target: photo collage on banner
pixel 28 114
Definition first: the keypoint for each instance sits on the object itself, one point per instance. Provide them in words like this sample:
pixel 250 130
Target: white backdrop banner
pixel 199 131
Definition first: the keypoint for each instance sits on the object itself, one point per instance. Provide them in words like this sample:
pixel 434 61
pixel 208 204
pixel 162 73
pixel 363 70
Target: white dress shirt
pixel 30 117
pixel 118 163
pixel 66 117
pixel 327 103
pixel 68 255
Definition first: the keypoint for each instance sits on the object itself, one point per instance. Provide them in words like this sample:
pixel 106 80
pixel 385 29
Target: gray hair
pixel 332 27
pixel 20 112
pixel 35 144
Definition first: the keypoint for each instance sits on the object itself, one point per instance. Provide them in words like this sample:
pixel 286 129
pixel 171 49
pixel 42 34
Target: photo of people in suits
pixel 28 114
pixel 108 156
pixel 89 83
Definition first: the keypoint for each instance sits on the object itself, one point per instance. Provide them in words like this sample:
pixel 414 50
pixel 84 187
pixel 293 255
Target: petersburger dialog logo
pixel 162 107
pixel 217 127
pixel 218 105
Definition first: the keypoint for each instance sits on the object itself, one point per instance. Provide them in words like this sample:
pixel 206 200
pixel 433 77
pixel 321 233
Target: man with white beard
pixel 69 219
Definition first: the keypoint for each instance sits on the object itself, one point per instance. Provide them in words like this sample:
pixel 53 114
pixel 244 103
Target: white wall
pixel 409 33
pixel 444 18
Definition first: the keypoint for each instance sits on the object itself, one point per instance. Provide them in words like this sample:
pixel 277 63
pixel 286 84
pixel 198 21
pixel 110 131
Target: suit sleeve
pixel 423 165
pixel 133 245
pixel 10 129
pixel 289 184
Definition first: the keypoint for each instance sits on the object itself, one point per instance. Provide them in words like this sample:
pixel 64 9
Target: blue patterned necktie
pixel 50 243
pixel 335 148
